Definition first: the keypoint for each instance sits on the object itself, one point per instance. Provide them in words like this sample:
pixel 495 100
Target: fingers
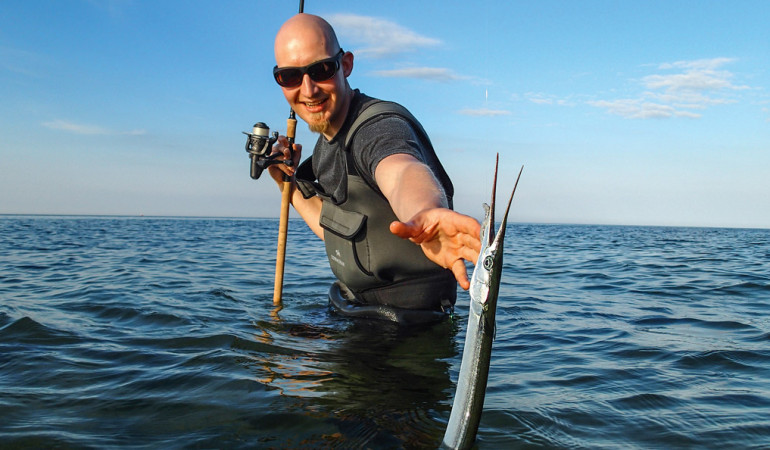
pixel 470 254
pixel 297 154
pixel 461 274
pixel 281 150
pixel 448 243
pixel 281 146
pixel 472 233
pixel 462 244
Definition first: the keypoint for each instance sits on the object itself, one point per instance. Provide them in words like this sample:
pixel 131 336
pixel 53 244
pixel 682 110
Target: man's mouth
pixel 315 107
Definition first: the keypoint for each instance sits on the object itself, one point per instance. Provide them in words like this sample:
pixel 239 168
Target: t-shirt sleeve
pixel 381 138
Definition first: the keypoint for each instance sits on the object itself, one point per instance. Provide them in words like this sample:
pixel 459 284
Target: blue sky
pixel 644 113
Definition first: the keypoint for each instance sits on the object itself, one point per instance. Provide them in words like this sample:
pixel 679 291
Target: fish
pixel 468 402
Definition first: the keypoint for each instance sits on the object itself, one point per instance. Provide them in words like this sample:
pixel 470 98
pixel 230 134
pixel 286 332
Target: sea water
pixel 162 333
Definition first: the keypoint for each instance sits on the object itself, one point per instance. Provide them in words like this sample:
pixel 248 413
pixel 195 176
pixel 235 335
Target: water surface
pixel 160 332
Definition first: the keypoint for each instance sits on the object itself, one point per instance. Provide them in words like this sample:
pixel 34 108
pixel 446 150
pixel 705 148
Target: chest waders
pixel 381 275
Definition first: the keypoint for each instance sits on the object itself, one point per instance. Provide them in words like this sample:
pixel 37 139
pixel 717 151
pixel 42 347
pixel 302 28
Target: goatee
pixel 318 124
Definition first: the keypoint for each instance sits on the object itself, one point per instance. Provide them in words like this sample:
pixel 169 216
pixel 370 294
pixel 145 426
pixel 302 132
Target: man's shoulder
pixel 376 117
pixel 366 106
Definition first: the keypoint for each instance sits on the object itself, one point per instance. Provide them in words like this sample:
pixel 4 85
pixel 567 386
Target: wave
pixel 662 321
pixel 26 330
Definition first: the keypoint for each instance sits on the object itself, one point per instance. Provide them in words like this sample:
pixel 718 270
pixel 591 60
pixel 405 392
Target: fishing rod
pixel 259 146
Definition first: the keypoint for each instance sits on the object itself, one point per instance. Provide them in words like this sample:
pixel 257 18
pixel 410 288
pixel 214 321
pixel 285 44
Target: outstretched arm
pixel 446 237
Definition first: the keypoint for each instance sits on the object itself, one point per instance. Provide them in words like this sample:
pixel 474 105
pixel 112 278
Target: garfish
pixel 474 368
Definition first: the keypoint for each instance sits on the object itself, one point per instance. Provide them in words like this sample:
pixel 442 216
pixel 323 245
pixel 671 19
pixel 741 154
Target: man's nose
pixel 308 86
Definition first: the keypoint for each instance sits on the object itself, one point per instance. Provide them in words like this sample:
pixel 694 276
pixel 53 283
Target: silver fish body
pixel 474 368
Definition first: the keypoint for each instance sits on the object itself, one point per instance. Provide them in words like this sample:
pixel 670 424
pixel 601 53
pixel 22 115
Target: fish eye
pixel 488 263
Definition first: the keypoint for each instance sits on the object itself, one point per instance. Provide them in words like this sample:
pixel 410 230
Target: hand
pixel 281 146
pixel 446 237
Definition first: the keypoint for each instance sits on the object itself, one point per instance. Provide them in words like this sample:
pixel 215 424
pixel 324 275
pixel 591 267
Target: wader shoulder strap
pixel 306 179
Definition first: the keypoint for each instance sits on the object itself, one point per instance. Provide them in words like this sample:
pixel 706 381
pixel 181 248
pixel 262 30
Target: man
pixel 372 198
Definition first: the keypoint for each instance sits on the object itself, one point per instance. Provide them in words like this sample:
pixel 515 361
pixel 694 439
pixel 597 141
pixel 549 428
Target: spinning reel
pixel 259 145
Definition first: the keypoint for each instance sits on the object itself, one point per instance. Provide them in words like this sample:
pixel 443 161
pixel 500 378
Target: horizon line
pixel 143 216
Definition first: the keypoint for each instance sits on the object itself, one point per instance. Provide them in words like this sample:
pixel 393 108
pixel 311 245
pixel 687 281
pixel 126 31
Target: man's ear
pixel 347 64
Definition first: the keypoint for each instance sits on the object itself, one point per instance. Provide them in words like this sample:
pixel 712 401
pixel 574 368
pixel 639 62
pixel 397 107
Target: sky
pixel 621 112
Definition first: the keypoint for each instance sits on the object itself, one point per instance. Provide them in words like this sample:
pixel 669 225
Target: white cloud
pixel 695 85
pixel 701 75
pixel 641 109
pixel 688 81
pixel 544 99
pixel 380 38
pixel 484 112
pixel 424 73
pixel 692 100
pixel 701 64
pixel 541 100
pixel 377 37
pixel 87 129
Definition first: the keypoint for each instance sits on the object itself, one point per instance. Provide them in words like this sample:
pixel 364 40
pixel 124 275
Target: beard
pixel 317 123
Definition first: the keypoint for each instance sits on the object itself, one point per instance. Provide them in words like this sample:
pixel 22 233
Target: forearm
pixel 414 189
pixel 309 209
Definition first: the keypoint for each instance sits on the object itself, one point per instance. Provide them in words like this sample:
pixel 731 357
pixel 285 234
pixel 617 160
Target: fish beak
pixel 497 238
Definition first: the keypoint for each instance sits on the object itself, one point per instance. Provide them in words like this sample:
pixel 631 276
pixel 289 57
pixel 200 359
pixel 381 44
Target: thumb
pixel 403 230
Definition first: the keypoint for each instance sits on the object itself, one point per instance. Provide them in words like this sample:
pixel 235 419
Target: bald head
pixel 302 39
pixel 321 101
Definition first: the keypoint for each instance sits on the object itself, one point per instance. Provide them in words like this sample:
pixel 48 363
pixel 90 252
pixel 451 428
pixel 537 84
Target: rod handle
pixel 283 228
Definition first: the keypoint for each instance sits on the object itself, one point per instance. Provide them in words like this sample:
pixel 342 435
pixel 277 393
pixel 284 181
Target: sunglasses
pixel 291 77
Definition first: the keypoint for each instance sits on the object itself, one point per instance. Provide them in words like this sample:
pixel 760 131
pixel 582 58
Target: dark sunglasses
pixel 291 77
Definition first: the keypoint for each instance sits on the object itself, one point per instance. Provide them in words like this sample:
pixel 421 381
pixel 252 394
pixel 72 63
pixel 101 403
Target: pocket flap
pixel 343 223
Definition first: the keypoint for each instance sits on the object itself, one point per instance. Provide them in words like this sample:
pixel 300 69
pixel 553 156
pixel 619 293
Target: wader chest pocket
pixel 346 245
